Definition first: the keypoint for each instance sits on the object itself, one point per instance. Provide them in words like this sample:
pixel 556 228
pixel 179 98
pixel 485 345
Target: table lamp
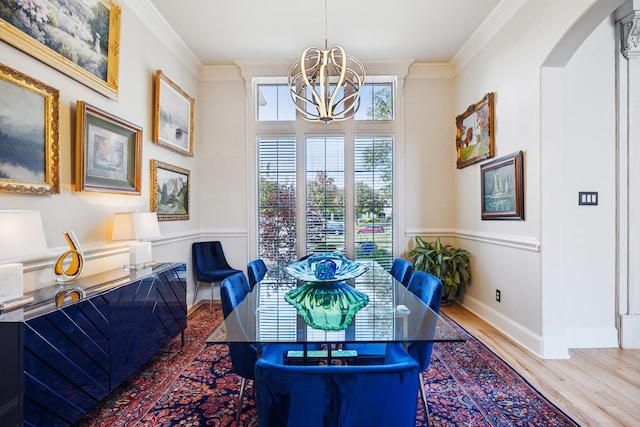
pixel 136 226
pixel 22 235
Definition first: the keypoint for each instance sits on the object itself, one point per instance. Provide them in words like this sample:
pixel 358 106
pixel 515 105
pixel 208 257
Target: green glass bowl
pixel 325 301
pixel 328 305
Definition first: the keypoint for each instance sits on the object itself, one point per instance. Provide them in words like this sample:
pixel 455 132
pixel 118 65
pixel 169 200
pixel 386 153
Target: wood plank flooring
pixel 596 387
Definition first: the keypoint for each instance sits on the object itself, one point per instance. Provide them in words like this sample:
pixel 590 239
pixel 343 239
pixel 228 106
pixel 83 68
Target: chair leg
pixel 424 399
pixel 243 386
pixel 195 294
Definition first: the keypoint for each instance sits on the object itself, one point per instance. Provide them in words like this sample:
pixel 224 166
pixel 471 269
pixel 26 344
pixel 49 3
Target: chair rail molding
pixel 530 244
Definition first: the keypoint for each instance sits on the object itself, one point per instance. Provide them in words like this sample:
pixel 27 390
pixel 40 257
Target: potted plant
pixel 449 264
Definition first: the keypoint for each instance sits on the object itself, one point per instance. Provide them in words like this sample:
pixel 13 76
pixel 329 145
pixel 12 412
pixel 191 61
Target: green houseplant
pixel 449 264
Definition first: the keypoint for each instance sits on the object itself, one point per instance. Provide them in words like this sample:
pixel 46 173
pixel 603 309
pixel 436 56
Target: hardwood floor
pixel 596 387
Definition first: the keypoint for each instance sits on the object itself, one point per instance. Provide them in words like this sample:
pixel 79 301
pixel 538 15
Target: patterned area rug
pixel 468 385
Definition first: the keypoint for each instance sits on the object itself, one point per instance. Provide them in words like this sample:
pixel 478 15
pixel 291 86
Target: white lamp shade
pixel 22 234
pixel 135 226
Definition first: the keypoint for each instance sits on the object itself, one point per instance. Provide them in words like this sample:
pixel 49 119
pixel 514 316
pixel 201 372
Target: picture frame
pixel 502 188
pixel 171 191
pixel 81 41
pixel 173 116
pixel 108 152
pixel 475 132
pixel 29 135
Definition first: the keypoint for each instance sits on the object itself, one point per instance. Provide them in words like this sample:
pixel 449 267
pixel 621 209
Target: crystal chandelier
pixel 325 83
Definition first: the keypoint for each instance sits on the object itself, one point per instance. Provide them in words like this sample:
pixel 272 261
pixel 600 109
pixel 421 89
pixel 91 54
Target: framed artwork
pixel 474 133
pixel 28 134
pixel 173 116
pixel 171 188
pixel 80 38
pixel 108 152
pixel 502 188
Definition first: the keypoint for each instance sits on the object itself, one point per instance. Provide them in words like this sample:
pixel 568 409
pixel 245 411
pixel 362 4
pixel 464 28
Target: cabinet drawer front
pixel 66 363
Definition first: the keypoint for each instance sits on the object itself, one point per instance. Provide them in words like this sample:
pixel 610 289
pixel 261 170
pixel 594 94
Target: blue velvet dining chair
pixel 233 291
pixel 210 265
pixel 256 271
pixel 428 288
pixel 337 396
pixel 401 270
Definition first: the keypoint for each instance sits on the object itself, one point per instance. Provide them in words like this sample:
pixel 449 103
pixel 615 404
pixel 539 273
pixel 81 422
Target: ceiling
pixel 223 32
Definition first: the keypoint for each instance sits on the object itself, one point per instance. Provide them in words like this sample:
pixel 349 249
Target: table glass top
pixel 392 314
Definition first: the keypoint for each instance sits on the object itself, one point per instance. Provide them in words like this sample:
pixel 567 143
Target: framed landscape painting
pixel 80 38
pixel 474 133
pixel 502 188
pixel 108 152
pixel 28 134
pixel 173 116
pixel 171 189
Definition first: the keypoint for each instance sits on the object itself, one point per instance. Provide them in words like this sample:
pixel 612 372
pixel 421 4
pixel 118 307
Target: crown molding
pixel 158 25
pixel 492 24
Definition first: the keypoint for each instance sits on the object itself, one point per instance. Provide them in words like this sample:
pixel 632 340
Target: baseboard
pixel 513 330
pixel 630 331
pixel 197 305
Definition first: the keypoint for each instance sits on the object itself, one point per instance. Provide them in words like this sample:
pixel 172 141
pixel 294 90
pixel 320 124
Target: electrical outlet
pixel 498 295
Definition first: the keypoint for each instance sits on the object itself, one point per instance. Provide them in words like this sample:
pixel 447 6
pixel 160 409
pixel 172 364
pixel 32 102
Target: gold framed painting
pixel 474 132
pixel 108 152
pixel 80 38
pixel 502 188
pixel 171 189
pixel 173 116
pixel 28 135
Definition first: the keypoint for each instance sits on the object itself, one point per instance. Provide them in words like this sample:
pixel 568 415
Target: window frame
pixel 350 130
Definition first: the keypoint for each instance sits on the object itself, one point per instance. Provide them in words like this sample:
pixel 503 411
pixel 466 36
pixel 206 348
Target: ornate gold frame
pixel 51 99
pixel 55 59
pixel 156 191
pixel 110 130
pixel 167 91
pixel 474 133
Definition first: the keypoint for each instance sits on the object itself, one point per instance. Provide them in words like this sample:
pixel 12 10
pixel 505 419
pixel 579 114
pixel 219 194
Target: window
pixel 274 103
pixel 277 207
pixel 325 205
pixel 374 199
pixel 325 188
pixel 376 102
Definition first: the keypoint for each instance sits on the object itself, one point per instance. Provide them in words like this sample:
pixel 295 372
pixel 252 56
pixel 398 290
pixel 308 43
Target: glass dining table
pixel 392 314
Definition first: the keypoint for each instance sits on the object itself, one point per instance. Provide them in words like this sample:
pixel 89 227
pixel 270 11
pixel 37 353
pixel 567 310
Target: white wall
pixel 429 155
pixel 224 162
pixel 89 213
pixel 581 147
pixel 545 305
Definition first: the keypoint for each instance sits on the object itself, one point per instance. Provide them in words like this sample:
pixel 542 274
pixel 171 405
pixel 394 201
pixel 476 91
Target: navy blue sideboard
pixel 58 362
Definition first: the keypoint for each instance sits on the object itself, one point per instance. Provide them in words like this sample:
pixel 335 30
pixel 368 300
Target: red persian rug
pixel 468 385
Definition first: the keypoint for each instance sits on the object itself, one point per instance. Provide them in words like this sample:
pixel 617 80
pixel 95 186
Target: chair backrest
pixel 208 258
pixel 428 288
pixel 401 269
pixel 256 271
pixel 233 290
pixel 323 396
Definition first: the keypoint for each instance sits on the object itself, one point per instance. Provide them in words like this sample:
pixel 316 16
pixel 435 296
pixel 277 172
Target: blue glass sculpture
pixel 325 301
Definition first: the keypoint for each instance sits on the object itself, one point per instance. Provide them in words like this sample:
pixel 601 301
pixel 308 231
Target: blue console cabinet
pixel 59 362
